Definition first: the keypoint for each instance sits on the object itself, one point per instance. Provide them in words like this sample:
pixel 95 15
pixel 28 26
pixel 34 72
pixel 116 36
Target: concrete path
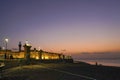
pixel 39 71
pixel 69 73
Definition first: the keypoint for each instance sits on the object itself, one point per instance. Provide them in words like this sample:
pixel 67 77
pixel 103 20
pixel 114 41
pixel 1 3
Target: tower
pixel 19 45
pixel 27 52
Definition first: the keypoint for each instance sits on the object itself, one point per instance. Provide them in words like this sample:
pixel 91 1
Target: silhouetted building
pixel 0 48
pixel 19 45
pixel 29 54
pixel 27 51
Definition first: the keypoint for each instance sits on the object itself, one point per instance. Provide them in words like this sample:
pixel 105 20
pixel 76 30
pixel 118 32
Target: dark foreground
pixel 61 71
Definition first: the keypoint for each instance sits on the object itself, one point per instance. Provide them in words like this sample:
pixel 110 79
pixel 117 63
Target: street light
pixel 6 40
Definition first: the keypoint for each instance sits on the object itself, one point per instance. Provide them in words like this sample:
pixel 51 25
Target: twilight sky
pixel 69 26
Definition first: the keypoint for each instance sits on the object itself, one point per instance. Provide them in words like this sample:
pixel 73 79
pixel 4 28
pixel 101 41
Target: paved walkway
pixel 69 73
pixel 39 71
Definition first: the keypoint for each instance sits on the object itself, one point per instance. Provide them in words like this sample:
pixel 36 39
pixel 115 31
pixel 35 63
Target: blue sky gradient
pixel 54 25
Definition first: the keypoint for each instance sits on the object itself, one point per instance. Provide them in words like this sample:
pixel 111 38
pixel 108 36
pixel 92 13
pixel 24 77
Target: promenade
pixel 61 71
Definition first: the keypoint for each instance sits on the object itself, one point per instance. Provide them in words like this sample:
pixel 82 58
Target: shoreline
pixel 100 63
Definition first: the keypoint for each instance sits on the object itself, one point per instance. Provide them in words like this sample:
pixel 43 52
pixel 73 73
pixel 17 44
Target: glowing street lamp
pixel 6 40
pixel 27 43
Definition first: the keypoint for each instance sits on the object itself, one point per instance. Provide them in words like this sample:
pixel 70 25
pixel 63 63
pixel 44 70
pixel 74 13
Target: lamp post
pixel 6 40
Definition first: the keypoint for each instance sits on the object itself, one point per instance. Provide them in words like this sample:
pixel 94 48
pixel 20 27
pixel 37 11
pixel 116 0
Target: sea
pixel 105 62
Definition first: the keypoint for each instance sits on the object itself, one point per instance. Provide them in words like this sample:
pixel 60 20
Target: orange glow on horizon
pixel 75 48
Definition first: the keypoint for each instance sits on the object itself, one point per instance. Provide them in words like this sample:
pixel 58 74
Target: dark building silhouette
pixel 20 45
pixel 0 48
pixel 27 51
pixel 28 55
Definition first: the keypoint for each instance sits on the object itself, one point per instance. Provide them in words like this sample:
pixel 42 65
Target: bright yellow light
pixel 28 44
pixel 46 57
pixel 37 57
pixel 42 57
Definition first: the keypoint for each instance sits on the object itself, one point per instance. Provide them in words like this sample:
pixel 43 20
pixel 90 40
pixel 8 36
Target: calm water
pixel 104 62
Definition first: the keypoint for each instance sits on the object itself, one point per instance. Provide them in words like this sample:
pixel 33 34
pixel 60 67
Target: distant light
pixel 42 57
pixel 46 57
pixel 39 48
pixel 37 57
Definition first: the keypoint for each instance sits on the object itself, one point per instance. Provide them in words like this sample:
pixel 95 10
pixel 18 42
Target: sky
pixel 65 26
